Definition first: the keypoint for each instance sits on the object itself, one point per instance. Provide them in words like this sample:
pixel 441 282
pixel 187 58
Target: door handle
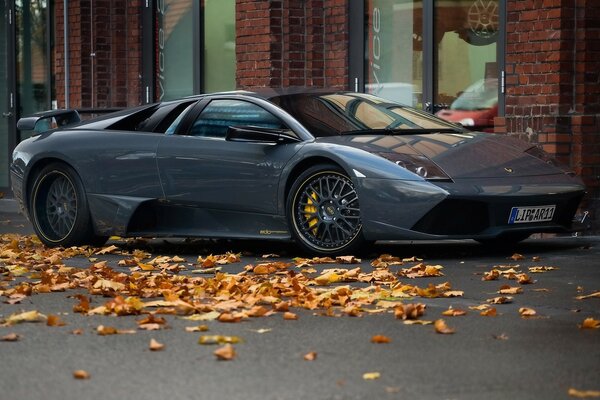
pixel 7 114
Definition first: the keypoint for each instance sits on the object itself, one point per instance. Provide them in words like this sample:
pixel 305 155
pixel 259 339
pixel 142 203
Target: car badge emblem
pixel 509 170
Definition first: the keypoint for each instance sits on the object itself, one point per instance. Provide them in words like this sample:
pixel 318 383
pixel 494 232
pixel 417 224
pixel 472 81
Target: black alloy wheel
pixel 59 210
pixel 324 211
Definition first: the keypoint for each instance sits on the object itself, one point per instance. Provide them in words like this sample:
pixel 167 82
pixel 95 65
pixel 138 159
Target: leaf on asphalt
pixel 11 337
pixel 155 345
pixel 453 293
pixel 290 316
pixel 54 320
pixel 81 374
pixel 541 269
pixel 491 275
pixel 584 394
pixel 590 323
pixel 218 339
pixel 480 307
pixel 199 328
pixel 230 317
pixel 409 311
pixel 451 312
pixel 105 284
pixel 310 356
pixel 110 330
pixel 421 270
pixel 152 319
pixel 441 327
pixel 107 250
pixel 417 322
pixel 506 289
pixel 149 327
pixel 225 353
pixel 489 312
pixel 380 339
pixel 28 316
pixel 536 258
pixel 385 261
pixel 524 279
pixel 502 336
pixel 84 304
pixel 500 300
pixel 517 257
pixel 370 376
pixel 209 316
pixel 77 331
pixel 527 312
pixel 271 255
pixel 261 330
pixel 348 260
pixel 588 296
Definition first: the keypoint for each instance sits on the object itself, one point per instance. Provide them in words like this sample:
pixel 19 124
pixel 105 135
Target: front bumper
pixel 394 210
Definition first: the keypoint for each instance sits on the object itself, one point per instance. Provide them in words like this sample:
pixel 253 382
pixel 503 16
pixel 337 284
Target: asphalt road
pixel 498 357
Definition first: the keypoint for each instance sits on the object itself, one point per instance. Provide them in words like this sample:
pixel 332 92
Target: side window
pixel 221 114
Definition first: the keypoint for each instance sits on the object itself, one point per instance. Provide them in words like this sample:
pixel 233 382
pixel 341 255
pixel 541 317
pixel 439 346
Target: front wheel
pixel 59 210
pixel 324 212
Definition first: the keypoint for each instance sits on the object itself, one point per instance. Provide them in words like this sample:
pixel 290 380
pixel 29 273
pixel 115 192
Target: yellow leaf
pixel 28 316
pixel 527 312
pixel 199 328
pixel 218 339
pixel 590 323
pixel 417 322
pixel 370 376
pixel 589 296
pixel 209 316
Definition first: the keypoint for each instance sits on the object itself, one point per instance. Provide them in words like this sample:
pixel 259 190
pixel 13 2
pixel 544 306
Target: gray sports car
pixel 329 170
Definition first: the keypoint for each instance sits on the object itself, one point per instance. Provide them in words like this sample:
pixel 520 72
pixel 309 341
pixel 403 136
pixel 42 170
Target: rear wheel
pixel 324 212
pixel 59 210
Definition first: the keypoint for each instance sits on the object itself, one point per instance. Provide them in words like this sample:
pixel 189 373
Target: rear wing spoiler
pixel 48 120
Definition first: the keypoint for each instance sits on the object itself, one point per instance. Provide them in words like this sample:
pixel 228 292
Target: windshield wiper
pixel 398 131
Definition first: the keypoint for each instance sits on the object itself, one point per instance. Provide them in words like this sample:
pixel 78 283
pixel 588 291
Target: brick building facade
pixel 551 63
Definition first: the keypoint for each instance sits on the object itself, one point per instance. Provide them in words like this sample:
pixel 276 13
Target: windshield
pixel 481 95
pixel 357 113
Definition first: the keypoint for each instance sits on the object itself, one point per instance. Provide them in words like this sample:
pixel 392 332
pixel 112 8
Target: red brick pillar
pixel 292 43
pixel 552 83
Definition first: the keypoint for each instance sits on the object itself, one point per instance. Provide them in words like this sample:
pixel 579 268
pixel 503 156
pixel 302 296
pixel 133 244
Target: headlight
pixel 467 122
pixel 417 164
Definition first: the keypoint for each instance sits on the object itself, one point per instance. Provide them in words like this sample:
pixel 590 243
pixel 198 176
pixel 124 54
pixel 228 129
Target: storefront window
pixel 219 46
pixel 394 51
pixel 174 49
pixel 466 34
pixel 4 103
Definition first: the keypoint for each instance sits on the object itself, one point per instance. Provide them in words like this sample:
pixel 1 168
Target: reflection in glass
pixel 466 34
pixel 174 49
pixel 219 45
pixel 393 41
pixel 3 100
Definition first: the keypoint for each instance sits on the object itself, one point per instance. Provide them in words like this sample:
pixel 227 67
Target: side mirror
pixel 47 120
pixel 260 135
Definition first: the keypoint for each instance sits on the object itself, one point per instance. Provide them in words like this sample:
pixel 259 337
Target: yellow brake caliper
pixel 310 209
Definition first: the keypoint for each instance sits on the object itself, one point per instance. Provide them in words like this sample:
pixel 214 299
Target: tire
pixel 59 210
pixel 324 213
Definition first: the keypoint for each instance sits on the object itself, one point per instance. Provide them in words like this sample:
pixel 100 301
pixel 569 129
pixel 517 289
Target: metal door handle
pixel 7 115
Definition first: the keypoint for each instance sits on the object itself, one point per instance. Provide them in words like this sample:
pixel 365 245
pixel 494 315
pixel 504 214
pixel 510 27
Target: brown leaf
pixel 510 289
pixel 229 317
pixel 527 312
pixel 491 275
pixel 348 260
pixel 441 327
pixel 517 257
pixel 290 316
pixel 502 336
pixel 311 356
pixel 409 311
pixel 107 250
pixel 489 312
pixel 54 320
pixel 199 328
pixel 451 312
pixel 590 323
pixel 225 353
pixel 541 269
pixel 155 345
pixel 149 327
pixel 11 337
pixel 78 331
pixel 583 394
pixel 500 300
pixel 81 374
pixel 380 339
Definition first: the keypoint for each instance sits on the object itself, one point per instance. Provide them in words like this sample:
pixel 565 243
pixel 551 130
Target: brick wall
pixel 553 83
pixel 292 43
pixel 104 53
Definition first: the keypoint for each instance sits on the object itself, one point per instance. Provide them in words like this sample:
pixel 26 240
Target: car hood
pixel 460 155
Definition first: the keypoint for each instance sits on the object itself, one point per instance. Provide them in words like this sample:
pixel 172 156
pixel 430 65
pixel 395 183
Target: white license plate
pixel 526 215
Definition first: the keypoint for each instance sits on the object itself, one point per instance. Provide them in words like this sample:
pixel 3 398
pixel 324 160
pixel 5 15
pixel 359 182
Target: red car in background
pixel 476 107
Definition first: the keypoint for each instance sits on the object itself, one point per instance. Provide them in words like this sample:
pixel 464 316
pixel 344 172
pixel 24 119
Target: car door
pixel 200 168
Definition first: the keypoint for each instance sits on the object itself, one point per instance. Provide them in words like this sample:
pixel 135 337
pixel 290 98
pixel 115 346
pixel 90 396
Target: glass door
pixel 6 96
pixel 466 34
